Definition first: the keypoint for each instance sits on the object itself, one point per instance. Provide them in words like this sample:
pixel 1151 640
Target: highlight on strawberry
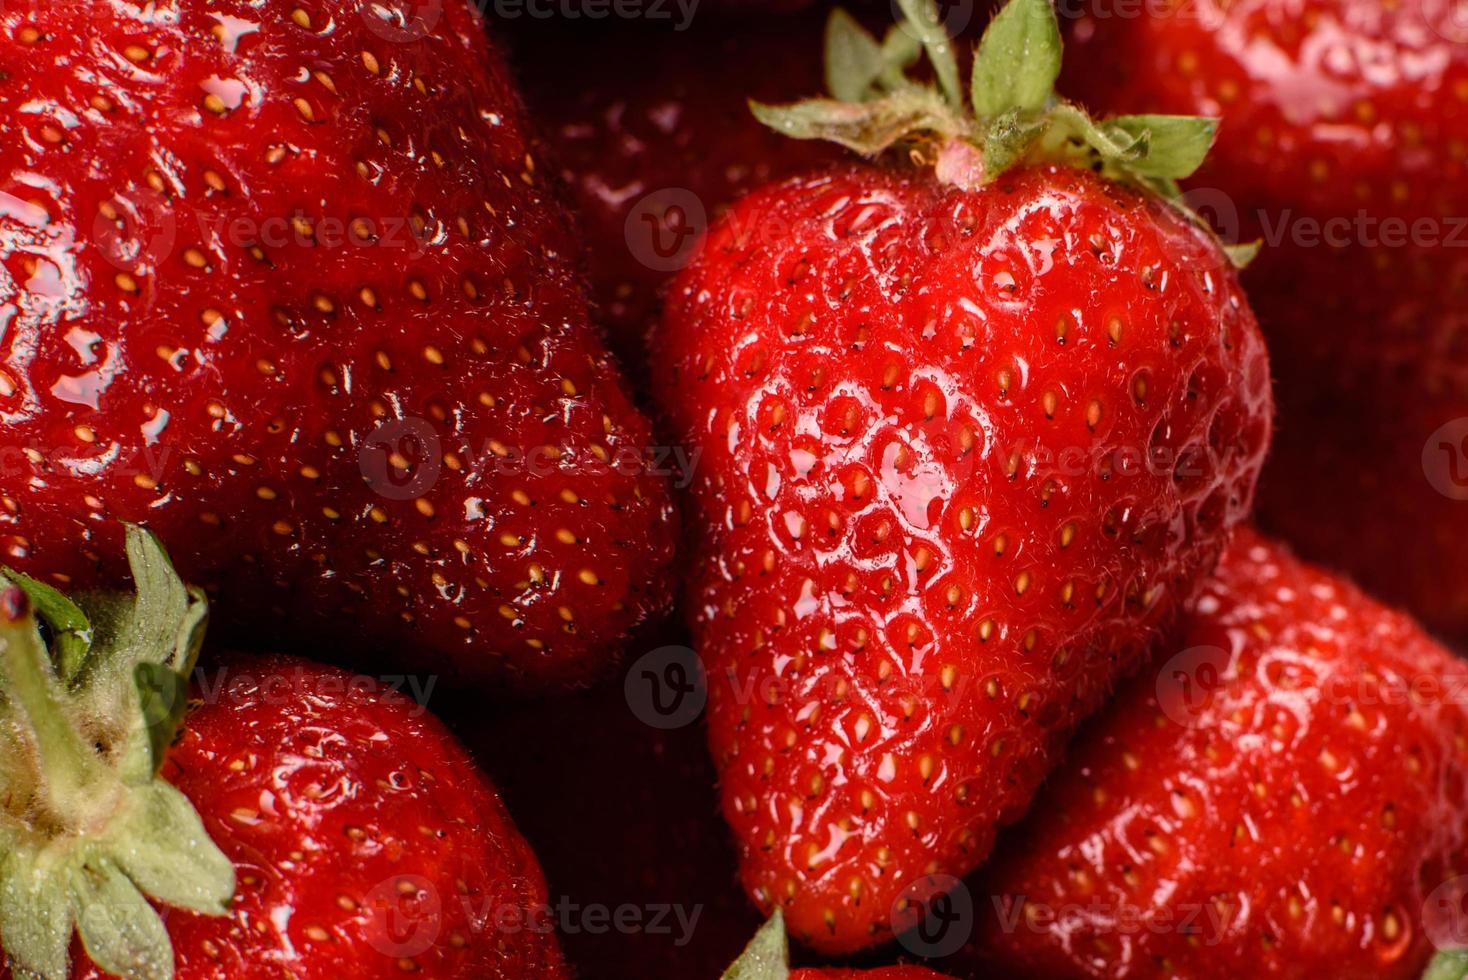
pixel 974 421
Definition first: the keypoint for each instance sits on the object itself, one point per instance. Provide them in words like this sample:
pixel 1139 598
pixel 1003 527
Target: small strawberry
pixel 767 957
pixel 653 133
pixel 970 432
pixel 1342 148
pixel 282 282
pixel 301 825
pixel 1286 798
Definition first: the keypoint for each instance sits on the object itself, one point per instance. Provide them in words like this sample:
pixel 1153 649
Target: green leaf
pixel 1450 964
pixel 1018 60
pixel 1173 146
pixel 854 59
pixel 35 916
pixel 1243 253
pixel 162 624
pixel 767 957
pixel 922 19
pixel 866 127
pixel 70 629
pixel 164 698
pixel 120 931
pixel 900 51
pixel 163 847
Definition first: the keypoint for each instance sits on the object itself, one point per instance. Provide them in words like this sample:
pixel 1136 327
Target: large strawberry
pixel 343 832
pixel 1342 148
pixel 282 281
pixel 653 133
pixel 1286 797
pixel 968 432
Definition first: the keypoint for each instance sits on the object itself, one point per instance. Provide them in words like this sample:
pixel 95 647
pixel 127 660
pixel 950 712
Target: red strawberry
pixel 967 438
pixel 1282 799
pixel 1343 148
pixel 767 957
pixel 653 131
pixel 363 840
pixel 282 282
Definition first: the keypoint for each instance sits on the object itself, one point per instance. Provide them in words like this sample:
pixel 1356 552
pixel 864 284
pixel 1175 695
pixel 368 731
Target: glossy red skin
pixel 634 109
pixel 259 461
pixel 1322 731
pixel 1332 109
pixel 857 356
pixel 327 796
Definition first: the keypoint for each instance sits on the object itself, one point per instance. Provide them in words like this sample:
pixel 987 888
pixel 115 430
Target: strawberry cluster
pixel 971 431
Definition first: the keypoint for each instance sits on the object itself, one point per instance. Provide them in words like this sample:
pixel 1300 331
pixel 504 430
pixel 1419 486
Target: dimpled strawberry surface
pixel 285 282
pixel 964 454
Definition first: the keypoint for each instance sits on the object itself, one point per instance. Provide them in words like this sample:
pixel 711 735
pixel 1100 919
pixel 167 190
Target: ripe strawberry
pixel 968 436
pixel 363 840
pixel 283 283
pixel 1343 148
pixel 654 136
pixel 767 957
pixel 1280 800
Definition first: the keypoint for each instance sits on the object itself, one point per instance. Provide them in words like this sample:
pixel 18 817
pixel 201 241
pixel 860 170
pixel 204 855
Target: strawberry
pixel 653 134
pixel 969 433
pixel 283 282
pixel 1284 798
pixel 302 824
pixel 767 957
pixel 1343 149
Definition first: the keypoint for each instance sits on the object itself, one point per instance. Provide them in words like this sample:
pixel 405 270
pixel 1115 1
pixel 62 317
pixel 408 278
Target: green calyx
pixel 767 957
pixel 1010 113
pixel 1450 964
pixel 89 833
